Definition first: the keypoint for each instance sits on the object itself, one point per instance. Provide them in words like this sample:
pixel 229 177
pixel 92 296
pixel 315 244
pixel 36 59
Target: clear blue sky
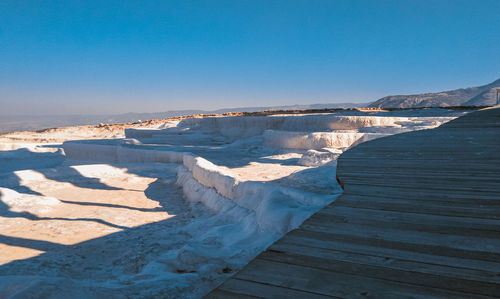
pixel 118 56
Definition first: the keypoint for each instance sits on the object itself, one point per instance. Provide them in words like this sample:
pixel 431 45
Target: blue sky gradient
pixel 59 57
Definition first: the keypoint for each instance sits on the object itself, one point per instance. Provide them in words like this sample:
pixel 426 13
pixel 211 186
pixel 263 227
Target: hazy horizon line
pixel 187 109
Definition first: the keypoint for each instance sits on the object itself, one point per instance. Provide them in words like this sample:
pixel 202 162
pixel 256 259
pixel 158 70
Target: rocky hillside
pixel 473 96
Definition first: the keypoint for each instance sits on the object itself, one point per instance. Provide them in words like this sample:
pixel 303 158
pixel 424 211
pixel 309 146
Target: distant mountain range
pixel 473 96
pixel 38 122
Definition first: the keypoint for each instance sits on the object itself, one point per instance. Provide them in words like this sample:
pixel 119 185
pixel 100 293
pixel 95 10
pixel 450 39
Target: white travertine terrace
pixel 254 179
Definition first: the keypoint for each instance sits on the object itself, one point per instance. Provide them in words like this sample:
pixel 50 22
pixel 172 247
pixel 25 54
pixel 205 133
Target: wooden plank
pixel 406 187
pixel 416 185
pixel 409 221
pixel 465 184
pixel 488 246
pixel 421 197
pixel 299 237
pixel 360 172
pixel 442 180
pixel 241 287
pixel 218 293
pixel 418 195
pixel 444 169
pixel 412 165
pixel 375 240
pixel 421 274
pixel 325 220
pixel 367 258
pixel 409 205
pixel 330 283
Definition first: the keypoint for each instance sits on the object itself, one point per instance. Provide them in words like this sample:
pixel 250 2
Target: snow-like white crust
pixel 254 178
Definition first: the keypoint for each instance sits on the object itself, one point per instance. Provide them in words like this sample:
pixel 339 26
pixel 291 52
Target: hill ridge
pixel 484 95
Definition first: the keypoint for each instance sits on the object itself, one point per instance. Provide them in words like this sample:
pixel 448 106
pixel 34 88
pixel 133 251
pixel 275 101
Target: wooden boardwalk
pixel 419 217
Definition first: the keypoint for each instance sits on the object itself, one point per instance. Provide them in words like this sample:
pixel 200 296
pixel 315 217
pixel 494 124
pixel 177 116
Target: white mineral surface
pixel 170 210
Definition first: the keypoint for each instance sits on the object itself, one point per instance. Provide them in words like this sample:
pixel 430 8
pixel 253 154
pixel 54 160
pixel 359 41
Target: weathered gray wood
pixel 325 241
pixel 331 283
pixel 419 217
pixel 423 196
pixel 254 289
pixel 327 220
pixel 390 269
pixel 479 244
pixel 362 215
pixel 227 294
pixel 409 205
pixel 285 251
pixel 403 245
pixel 409 221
